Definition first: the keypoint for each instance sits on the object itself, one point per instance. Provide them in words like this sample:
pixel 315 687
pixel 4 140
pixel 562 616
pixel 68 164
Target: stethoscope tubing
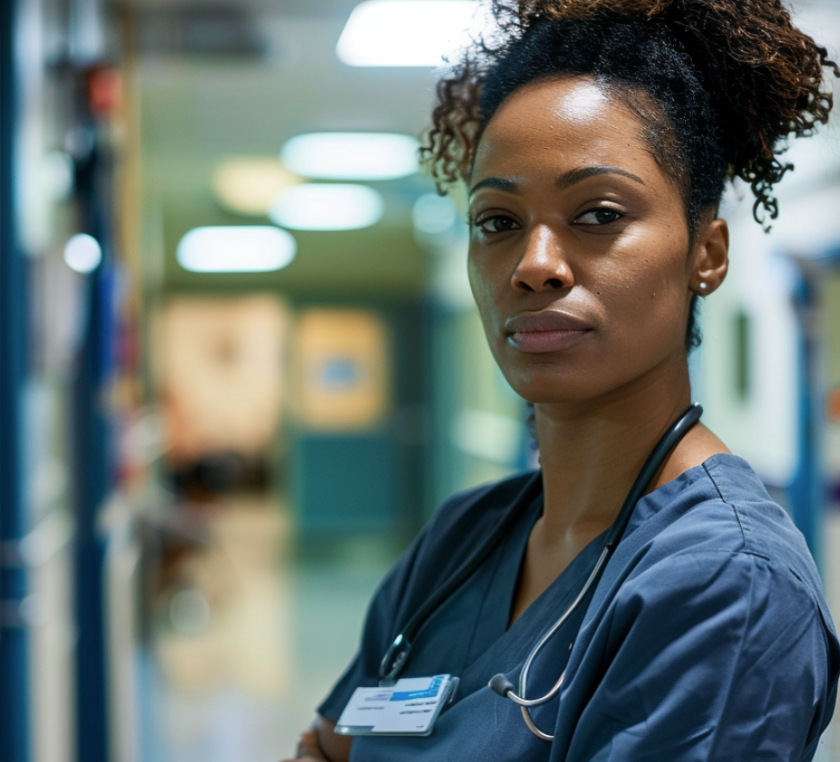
pixel 526 704
pixel 655 460
pixel 397 655
pixel 523 676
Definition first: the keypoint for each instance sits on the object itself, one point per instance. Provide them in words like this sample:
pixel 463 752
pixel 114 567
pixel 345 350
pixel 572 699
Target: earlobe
pixel 711 258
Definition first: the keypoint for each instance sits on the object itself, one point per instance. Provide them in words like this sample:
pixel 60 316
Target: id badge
pixel 409 708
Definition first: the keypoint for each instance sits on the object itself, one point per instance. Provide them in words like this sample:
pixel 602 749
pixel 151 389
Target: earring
pixel 702 285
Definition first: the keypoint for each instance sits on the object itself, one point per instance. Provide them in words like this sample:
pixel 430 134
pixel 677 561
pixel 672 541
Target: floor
pixel 254 638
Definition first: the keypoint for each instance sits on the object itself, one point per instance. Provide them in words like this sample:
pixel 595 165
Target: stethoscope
pixel 397 655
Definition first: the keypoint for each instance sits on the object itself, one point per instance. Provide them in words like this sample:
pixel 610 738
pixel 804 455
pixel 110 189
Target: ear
pixel 710 261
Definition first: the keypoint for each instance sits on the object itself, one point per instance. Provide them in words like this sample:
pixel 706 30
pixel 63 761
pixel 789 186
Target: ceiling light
pixel 406 32
pixel 327 207
pixel 351 155
pixel 248 185
pixel 236 249
pixel 82 253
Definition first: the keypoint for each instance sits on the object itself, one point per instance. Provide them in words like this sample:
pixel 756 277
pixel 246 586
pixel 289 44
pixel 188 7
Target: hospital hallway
pixel 241 365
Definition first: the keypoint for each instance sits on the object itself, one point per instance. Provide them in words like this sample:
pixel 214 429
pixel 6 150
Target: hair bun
pixel 763 75
pixel 736 78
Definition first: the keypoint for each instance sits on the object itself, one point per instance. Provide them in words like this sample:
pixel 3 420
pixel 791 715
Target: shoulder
pixel 708 633
pixel 718 507
pixel 713 572
pixel 765 529
pixel 714 540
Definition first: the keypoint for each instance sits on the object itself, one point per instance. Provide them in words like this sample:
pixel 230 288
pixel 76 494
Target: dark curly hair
pixel 718 86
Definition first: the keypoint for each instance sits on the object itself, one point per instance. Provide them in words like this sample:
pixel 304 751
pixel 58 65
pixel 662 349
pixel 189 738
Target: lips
pixel 546 331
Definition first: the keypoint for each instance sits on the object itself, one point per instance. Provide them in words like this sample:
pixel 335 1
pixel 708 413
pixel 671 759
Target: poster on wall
pixel 341 370
pixel 220 374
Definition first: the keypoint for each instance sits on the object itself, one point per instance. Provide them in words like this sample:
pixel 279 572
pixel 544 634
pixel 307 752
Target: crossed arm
pixel 320 744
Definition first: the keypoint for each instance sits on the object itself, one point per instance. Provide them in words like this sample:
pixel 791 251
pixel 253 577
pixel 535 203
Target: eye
pixel 497 223
pixel 599 216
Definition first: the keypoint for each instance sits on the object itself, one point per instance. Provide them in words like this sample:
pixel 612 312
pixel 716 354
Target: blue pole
pixel 807 491
pixel 93 472
pixel 14 719
pixel 806 488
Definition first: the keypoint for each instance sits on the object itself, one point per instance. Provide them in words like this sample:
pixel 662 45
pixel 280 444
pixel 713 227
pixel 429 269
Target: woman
pixel 596 137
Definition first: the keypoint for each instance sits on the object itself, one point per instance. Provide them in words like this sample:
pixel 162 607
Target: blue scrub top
pixel 707 638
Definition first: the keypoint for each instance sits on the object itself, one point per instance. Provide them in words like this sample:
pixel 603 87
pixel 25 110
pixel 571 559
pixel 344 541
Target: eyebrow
pixel 499 183
pixel 565 180
pixel 576 175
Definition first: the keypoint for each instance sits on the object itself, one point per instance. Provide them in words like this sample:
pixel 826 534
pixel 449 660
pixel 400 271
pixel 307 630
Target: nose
pixel 543 265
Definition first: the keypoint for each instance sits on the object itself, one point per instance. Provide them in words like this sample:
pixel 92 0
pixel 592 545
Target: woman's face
pixel 579 248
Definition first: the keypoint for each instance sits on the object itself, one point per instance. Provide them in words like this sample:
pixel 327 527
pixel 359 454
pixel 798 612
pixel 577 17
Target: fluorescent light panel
pixel 327 206
pixel 406 32
pixel 236 249
pixel 351 155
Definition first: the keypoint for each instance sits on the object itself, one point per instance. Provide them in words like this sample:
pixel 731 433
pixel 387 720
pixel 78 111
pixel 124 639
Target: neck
pixel 591 452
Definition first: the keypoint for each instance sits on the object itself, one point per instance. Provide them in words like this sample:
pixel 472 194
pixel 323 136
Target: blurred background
pixel 240 365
